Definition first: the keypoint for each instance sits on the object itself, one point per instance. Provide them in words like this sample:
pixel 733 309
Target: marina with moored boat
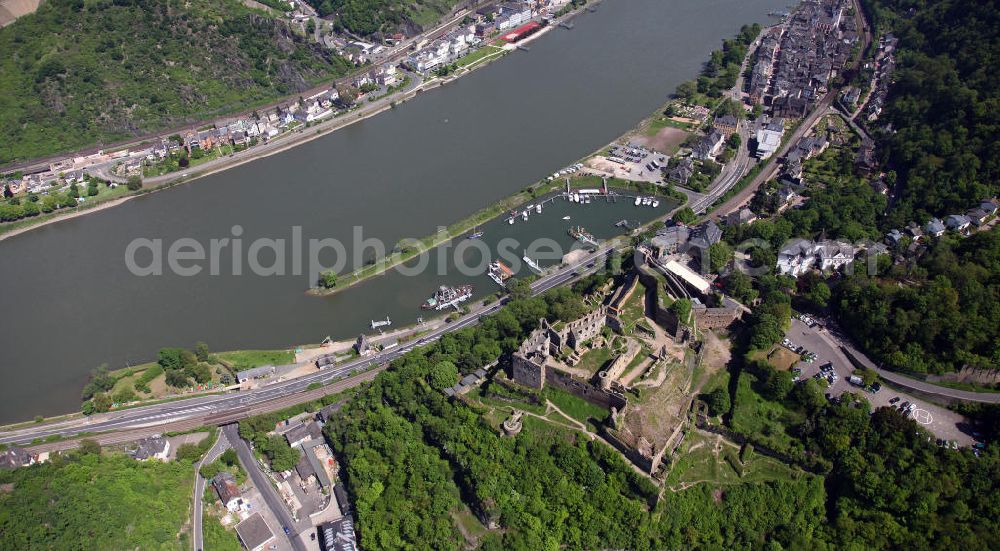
pixel 447 297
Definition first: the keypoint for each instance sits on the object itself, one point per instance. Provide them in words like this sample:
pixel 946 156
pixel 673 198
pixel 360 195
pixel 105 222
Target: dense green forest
pixel 415 460
pixel 366 17
pixel 936 316
pixel 91 501
pixel 77 73
pixel 943 105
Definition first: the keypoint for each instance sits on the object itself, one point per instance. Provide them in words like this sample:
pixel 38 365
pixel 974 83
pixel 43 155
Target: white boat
pixel 381 323
pixel 576 197
pixel 645 201
pixel 638 201
pixel 531 263
pixel 524 216
pixel 500 273
pixel 656 203
pixel 565 217
pixel 510 220
pixel 529 207
pixel 538 208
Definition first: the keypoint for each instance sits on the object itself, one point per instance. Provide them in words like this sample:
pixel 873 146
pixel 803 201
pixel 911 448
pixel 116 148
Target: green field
pixel 478 55
pixel 593 360
pixel 248 359
pixel 698 462
pixel 575 407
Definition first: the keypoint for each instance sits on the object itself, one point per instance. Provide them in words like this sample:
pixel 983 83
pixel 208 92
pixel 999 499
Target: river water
pixel 69 303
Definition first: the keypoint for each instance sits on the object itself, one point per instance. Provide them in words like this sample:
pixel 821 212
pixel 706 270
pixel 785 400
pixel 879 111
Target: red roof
pixel 516 34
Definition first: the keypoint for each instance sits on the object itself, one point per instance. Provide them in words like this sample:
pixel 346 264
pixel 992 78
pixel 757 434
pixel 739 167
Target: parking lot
pixel 941 422
pixel 632 162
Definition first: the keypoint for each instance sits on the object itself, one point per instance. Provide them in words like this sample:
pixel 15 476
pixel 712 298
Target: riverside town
pixel 499 275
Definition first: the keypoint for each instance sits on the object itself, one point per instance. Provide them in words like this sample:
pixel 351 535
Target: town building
pixel 247 376
pixel 338 535
pixel 228 491
pixel 154 447
pixel 302 432
pixel 935 228
pixel 799 256
pixel 957 222
pixel 709 146
pixel 315 462
pixel 742 216
pixel 769 137
pixel 682 172
pixel 727 124
pixel 254 533
pixel 15 457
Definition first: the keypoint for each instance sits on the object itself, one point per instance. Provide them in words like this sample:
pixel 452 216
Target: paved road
pixel 730 175
pixel 940 421
pixel 199 489
pixel 835 337
pixel 264 486
pixel 742 162
pixel 220 408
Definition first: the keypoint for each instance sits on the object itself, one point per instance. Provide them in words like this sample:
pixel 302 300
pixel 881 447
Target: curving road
pixel 221 443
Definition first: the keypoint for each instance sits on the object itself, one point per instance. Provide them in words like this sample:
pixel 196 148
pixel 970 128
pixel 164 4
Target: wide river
pixel 69 303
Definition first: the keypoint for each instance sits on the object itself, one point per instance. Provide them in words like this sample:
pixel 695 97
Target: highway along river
pixel 69 303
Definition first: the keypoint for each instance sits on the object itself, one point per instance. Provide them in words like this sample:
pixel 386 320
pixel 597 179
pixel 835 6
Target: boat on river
pixel 531 263
pixel 447 297
pixel 500 273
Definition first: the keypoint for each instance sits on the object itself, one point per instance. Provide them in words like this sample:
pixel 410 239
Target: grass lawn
pixel 698 462
pixel 247 359
pixel 779 357
pixel 539 430
pixel 575 407
pixel 479 55
pixel 659 123
pixel 594 360
pixel 500 398
pixel 634 309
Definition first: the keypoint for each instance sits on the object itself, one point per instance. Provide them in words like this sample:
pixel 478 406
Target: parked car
pixel 894 400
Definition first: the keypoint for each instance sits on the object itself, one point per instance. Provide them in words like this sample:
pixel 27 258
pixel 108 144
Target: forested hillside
pixel 78 73
pixel 366 17
pixel 944 107
pixel 87 501
pixel 940 316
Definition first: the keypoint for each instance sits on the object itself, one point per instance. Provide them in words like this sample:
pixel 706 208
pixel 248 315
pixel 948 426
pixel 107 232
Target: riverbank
pixel 283 142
